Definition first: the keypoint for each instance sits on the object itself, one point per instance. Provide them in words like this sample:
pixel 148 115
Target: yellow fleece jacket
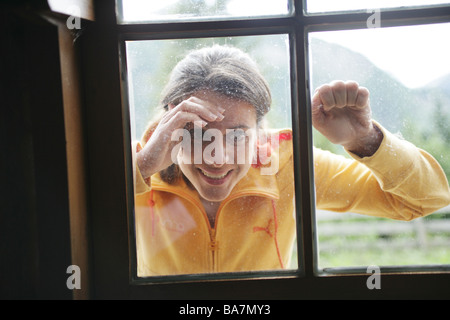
pixel 255 225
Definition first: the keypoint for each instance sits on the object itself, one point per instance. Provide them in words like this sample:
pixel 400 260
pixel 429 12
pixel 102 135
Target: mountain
pixel 420 115
pixel 437 92
pixel 393 104
pixel 443 84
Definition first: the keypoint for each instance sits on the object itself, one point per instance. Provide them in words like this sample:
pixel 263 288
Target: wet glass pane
pixel 390 207
pixel 212 152
pixel 321 6
pixel 134 11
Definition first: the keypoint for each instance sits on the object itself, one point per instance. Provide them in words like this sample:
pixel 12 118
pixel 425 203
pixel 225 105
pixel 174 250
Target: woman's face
pixel 222 151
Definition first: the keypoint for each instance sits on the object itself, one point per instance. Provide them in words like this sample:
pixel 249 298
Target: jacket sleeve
pixel 400 181
pixel 141 185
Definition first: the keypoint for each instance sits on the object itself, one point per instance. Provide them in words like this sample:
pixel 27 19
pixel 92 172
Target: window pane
pixel 134 11
pixel 318 6
pixel 219 198
pixel 407 73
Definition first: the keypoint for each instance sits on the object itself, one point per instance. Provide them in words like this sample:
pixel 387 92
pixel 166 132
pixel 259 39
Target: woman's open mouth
pixel 217 178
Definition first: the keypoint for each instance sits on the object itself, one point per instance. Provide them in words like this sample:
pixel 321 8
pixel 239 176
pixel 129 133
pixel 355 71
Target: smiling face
pixel 223 164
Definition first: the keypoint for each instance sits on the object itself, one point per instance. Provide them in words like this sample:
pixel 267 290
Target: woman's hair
pixel 225 70
pixel 221 69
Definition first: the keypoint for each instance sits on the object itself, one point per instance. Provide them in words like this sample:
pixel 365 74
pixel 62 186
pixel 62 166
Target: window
pixel 138 11
pixel 409 99
pixel 253 229
pixel 302 30
pixel 323 6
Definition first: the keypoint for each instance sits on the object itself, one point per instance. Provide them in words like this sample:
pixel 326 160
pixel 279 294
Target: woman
pixel 200 208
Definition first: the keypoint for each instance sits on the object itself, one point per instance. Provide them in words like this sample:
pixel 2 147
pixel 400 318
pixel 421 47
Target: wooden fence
pixel 421 232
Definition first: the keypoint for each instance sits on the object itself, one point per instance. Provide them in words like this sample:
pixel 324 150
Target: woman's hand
pixel 341 112
pixel 156 154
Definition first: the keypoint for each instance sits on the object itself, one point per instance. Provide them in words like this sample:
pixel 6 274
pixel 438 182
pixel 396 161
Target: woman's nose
pixel 217 157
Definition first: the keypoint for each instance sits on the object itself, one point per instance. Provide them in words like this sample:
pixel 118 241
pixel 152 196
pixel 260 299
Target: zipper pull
pixel 213 245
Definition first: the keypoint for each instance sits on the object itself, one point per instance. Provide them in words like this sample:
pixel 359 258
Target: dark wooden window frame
pixel 108 155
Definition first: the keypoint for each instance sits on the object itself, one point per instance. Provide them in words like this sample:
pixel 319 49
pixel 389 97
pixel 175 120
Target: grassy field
pixel 386 256
pixel 352 240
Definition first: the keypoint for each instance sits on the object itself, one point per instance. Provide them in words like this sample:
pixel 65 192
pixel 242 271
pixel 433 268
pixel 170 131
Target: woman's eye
pixel 196 134
pixel 236 137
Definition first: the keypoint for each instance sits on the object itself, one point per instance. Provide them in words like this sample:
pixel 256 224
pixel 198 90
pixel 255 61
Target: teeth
pixel 212 176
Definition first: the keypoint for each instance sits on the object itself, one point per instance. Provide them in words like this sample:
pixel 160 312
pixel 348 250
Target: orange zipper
pixel 213 247
pixel 214 244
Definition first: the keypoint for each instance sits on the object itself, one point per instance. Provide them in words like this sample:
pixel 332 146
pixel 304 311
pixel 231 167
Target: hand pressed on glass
pixel 341 112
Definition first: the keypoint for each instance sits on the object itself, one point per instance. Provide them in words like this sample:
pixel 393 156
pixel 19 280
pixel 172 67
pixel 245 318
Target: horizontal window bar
pixel 176 33
pixel 350 19
pixel 339 271
pixel 217 277
pixel 388 18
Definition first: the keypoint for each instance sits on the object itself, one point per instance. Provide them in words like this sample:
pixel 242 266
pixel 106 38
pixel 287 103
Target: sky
pixel 334 5
pixel 414 55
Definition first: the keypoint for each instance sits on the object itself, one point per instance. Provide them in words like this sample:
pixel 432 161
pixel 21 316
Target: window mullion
pixel 303 134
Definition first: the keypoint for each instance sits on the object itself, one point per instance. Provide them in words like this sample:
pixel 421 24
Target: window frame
pixel 130 185
pixel 307 281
